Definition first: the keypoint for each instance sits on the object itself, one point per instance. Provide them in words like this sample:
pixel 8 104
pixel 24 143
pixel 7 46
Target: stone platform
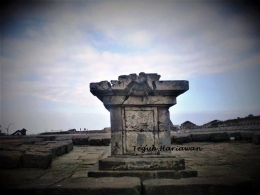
pixel 144 167
pixel 143 174
pixel 146 162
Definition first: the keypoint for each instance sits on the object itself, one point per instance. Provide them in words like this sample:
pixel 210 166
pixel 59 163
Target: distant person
pixel 179 131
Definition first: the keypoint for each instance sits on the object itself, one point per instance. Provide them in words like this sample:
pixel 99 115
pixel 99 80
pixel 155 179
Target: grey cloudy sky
pixel 52 50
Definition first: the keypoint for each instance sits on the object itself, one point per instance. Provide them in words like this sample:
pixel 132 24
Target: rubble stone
pixel 218 137
pixel 36 160
pixel 200 137
pixel 10 159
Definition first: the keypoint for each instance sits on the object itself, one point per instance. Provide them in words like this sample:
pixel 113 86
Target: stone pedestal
pixel 140 122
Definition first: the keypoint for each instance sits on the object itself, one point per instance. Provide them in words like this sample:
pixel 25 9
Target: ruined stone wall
pixel 228 128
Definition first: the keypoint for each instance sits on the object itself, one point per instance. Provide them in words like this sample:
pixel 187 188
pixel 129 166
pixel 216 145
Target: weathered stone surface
pixel 80 140
pixel 80 186
pixel 116 114
pixel 143 174
pixel 179 139
pixel 140 100
pixel 31 140
pixel 188 172
pixel 46 137
pixel 164 121
pixel 19 148
pixel 61 148
pixel 106 141
pixel 167 174
pixel 170 88
pixel 134 173
pixel 10 159
pixel 45 149
pixel 220 159
pixel 162 140
pixel 197 186
pixel 33 148
pixel 54 147
pixel 135 140
pixel 201 137
pixel 116 142
pixel 141 85
pixel 95 141
pixel 171 174
pixel 218 137
pixel 138 106
pixel 140 121
pixel 107 185
pixel 69 146
pixel 36 160
pixel 141 163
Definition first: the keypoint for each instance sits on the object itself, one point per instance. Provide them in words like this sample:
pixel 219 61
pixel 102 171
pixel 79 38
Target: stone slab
pixel 197 186
pixel 86 186
pixel 218 137
pixel 117 142
pixel 138 100
pixel 83 140
pixel 141 163
pixel 106 141
pixel 95 141
pixel 143 174
pixel 36 159
pixel 201 137
pixel 10 159
pixel 180 139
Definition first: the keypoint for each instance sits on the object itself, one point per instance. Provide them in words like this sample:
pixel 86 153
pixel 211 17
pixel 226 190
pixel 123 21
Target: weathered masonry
pixel 140 121
pixel 139 110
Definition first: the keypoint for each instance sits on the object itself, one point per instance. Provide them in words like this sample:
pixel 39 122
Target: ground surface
pixel 223 159
pixel 236 159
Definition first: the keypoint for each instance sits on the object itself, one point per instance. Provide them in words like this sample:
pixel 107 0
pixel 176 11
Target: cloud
pixel 61 48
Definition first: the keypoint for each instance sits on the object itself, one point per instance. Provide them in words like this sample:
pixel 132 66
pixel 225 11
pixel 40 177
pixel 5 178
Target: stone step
pixel 197 186
pixel 78 186
pixel 134 186
pixel 143 174
pixel 141 163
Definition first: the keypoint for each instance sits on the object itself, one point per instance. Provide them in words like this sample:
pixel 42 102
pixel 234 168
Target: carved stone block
pixel 139 111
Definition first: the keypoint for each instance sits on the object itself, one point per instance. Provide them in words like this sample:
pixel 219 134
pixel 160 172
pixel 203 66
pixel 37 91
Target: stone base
pixel 144 167
pixel 145 162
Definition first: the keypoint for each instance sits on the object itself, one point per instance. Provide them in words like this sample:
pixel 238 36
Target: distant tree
pixel 250 115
